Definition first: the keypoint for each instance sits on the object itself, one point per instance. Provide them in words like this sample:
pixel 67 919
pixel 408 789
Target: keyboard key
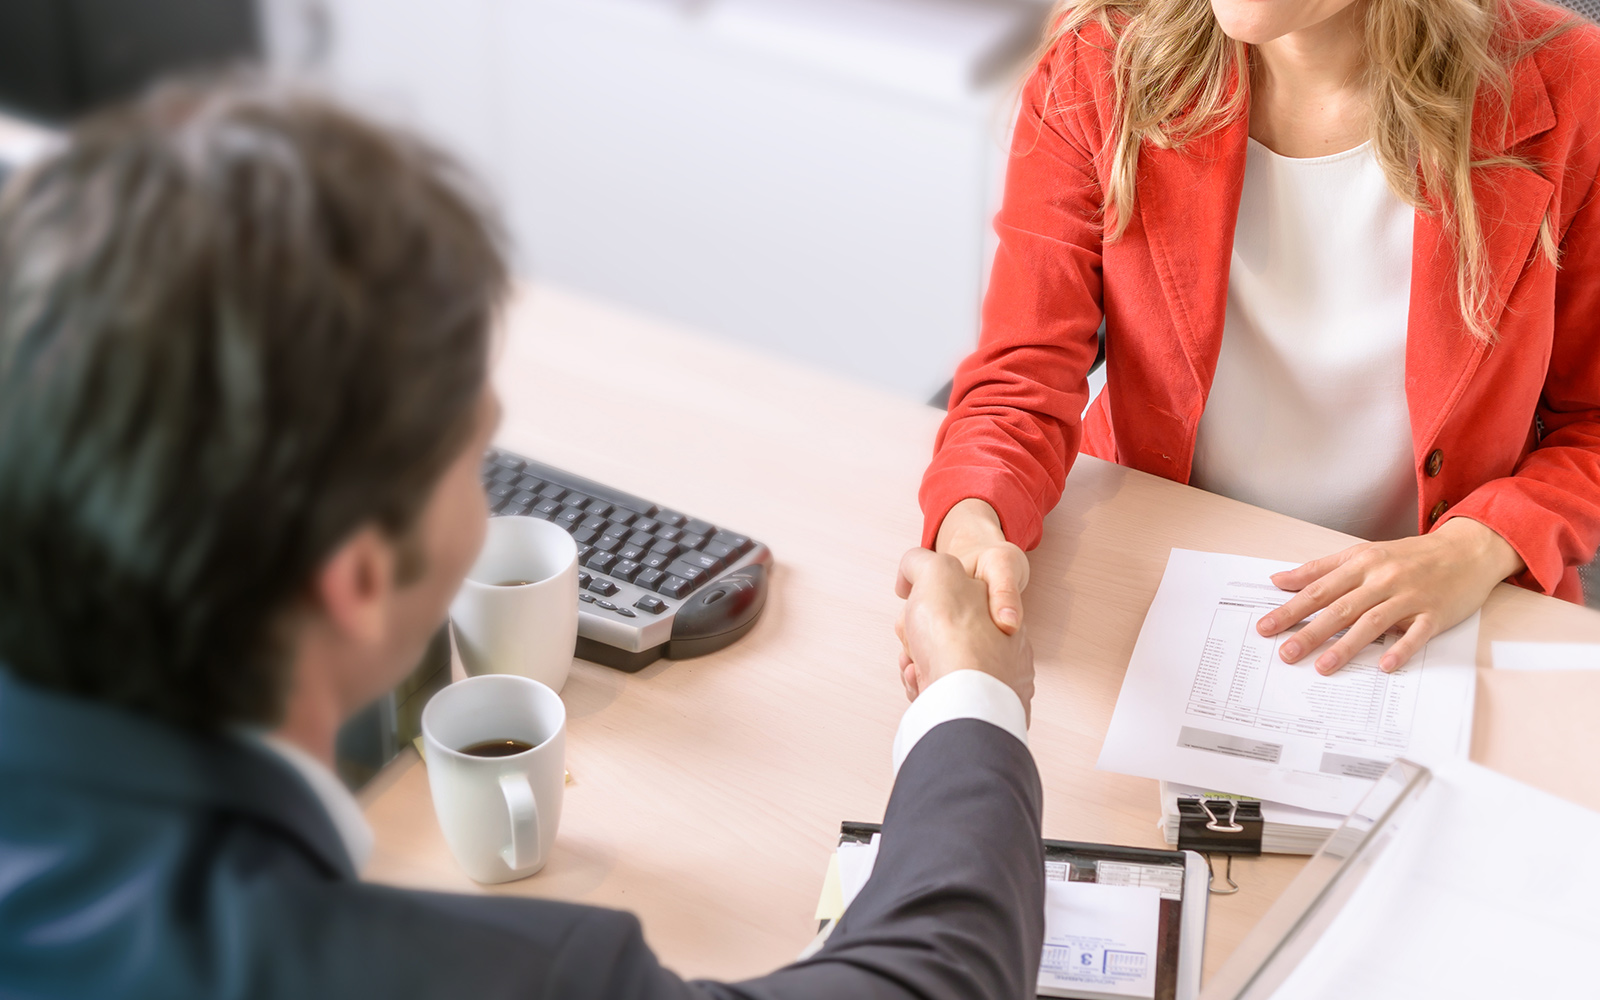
pixel 584 552
pixel 699 527
pixel 624 612
pixel 532 484
pixel 583 579
pixel 502 490
pixel 607 605
pixel 622 517
pixel 651 603
pixel 552 492
pixel 504 476
pixel 615 530
pixel 689 541
pixel 513 510
pixel 665 547
pixel 600 561
pixel 586 598
pixel 674 586
pixel 689 571
pixel 669 534
pixel 648 578
pixel 671 518
pixel 704 560
pixel 738 543
pixel 584 536
pixel 727 553
pixel 642 539
pixel 658 560
pixel 571 515
pixel 602 586
pixel 613 496
pixel 575 499
pixel 596 522
pixel 549 508
pixel 645 524
pixel 507 461
pixel 633 552
pixel 597 507
pixel 607 543
pixel 625 569
pixel 525 498
pixel 495 504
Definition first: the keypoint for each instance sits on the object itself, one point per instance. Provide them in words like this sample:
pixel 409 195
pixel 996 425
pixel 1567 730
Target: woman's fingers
pixel 1408 645
pixel 908 677
pixel 1367 627
pixel 1004 569
pixel 1332 596
pixel 1295 579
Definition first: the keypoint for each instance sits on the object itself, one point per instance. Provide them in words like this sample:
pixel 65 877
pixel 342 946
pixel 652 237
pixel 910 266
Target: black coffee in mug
pixel 496 748
pixel 513 583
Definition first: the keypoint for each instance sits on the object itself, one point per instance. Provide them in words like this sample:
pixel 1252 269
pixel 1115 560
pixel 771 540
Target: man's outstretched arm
pixel 954 909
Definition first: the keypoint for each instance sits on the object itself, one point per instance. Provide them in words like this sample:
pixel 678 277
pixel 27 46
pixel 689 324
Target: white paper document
pixel 1099 939
pixel 1546 656
pixel 1486 892
pixel 1208 701
pixel 855 866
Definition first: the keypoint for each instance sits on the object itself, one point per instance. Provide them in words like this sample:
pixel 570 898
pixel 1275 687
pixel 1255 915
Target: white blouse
pixel 1307 414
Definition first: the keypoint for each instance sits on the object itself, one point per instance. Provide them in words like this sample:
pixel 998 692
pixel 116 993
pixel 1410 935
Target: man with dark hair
pixel 244 343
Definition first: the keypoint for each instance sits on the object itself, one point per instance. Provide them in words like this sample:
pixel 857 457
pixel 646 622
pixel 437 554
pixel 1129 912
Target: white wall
pixel 813 177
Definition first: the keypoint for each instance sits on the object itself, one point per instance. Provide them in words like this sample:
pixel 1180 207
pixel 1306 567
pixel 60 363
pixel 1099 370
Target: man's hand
pixel 1421 586
pixel 945 627
pixel 971 533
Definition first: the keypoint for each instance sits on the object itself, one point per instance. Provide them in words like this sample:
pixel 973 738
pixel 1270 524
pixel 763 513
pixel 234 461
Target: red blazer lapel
pixel 1441 357
pixel 1188 207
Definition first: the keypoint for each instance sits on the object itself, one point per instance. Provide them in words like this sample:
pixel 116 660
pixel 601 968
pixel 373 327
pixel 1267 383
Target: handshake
pixel 946 626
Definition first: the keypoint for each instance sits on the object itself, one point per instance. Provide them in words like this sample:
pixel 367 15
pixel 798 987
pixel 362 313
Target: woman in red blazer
pixel 1485 115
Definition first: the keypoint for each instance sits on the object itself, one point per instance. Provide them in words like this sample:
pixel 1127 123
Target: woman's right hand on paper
pixel 971 533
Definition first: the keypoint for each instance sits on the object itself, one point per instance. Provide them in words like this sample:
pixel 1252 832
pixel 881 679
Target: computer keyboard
pixel 652 582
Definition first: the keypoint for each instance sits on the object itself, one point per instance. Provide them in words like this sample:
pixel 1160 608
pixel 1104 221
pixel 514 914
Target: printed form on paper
pixel 1208 701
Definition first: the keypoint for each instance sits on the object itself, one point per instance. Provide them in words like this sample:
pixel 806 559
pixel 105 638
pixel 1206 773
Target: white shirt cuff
pixel 963 694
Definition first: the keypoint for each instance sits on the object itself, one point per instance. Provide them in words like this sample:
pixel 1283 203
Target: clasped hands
pixel 1416 586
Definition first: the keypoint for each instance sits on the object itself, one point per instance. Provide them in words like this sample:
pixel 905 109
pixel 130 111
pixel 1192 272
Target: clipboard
pixel 1180 943
pixel 1288 930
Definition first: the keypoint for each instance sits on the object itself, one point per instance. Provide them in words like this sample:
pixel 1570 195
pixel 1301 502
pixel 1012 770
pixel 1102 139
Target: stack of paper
pixel 1207 701
pixel 1284 829
pixel 1486 891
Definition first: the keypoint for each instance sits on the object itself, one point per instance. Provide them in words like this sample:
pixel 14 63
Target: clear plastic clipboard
pixel 1294 924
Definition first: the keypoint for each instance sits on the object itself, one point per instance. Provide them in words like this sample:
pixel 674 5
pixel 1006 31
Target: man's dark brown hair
pixel 237 323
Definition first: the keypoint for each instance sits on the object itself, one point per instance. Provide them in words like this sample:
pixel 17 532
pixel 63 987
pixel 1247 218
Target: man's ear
pixel 354 589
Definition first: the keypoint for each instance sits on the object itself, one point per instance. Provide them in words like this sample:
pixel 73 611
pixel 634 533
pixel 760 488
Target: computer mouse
pixel 726 610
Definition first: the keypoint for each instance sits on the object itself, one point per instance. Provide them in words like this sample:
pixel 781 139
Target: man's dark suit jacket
pixel 140 861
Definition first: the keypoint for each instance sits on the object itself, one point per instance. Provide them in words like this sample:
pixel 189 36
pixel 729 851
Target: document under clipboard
pixel 1292 926
pixel 1183 876
pixel 1446 880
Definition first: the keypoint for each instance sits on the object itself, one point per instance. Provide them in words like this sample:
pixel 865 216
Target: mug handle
pixel 523 851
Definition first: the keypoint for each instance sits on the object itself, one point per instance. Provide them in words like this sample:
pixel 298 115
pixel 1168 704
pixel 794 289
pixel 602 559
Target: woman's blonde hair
pixel 1178 76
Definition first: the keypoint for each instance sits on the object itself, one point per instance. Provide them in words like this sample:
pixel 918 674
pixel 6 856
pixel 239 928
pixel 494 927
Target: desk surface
pixel 707 793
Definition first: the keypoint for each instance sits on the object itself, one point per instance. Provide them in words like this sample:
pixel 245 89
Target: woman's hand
pixel 1420 585
pixel 971 532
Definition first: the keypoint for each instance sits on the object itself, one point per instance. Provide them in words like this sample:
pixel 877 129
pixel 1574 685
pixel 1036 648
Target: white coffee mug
pixel 529 629
pixel 499 814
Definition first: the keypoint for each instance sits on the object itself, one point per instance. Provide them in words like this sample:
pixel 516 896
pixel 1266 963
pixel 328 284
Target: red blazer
pixel 1506 433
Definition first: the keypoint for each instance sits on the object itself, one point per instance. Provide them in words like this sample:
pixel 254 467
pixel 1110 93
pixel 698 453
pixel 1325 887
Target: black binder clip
pixel 1220 826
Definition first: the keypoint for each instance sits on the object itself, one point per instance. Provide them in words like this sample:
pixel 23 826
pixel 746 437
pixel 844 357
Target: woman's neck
pixel 1308 93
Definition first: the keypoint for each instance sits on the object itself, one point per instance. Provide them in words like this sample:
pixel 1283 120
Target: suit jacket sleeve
pixel 954 909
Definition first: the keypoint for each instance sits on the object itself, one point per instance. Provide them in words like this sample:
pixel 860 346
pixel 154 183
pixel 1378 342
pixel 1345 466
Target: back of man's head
pixel 236 324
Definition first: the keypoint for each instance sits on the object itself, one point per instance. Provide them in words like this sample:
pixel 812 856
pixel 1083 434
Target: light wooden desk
pixel 707 794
